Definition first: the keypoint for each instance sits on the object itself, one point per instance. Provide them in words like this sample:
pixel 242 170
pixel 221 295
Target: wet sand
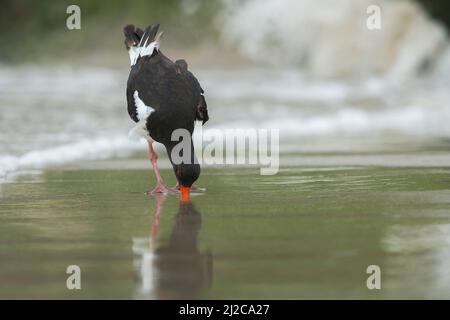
pixel 399 160
pixel 308 232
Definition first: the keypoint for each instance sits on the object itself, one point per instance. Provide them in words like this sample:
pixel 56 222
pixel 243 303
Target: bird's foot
pixel 161 188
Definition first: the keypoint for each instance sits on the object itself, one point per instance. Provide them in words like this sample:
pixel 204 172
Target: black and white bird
pixel 163 96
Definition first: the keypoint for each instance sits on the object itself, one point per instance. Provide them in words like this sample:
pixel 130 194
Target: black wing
pixel 202 108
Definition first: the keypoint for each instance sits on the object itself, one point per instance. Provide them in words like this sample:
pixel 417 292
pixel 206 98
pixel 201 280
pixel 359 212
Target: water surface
pixel 304 233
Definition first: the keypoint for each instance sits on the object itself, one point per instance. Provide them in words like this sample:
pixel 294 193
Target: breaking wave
pixel 100 148
pixel 330 38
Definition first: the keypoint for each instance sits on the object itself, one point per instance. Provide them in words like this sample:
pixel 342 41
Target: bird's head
pixel 184 162
pixel 186 175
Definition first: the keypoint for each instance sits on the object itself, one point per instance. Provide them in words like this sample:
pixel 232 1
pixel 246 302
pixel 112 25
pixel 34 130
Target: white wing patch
pixel 143 112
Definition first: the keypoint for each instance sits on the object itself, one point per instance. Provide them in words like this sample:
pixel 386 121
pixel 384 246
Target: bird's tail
pixel 132 35
pixel 135 37
pixel 151 35
pixel 141 43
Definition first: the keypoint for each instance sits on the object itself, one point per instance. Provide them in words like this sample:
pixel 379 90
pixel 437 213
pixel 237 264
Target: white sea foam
pixel 99 148
pixel 413 120
pixel 330 38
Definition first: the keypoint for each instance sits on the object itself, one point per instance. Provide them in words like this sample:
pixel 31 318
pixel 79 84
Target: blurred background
pixel 308 67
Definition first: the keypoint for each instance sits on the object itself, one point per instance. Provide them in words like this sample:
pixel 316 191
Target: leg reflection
pixel 174 268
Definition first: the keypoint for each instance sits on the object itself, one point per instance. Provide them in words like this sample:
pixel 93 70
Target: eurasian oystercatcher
pixel 162 97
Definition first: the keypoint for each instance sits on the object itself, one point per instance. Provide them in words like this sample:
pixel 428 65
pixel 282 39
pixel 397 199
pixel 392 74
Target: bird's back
pixel 168 88
pixel 164 86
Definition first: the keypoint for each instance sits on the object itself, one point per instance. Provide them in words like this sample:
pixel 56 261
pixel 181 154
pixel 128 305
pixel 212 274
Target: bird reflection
pixel 174 269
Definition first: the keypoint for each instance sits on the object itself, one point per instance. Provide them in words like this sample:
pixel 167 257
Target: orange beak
pixel 185 194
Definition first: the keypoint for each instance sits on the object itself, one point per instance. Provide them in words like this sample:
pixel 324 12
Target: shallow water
pixel 304 233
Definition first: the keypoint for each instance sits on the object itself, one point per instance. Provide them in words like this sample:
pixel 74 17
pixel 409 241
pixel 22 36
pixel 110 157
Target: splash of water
pixel 330 38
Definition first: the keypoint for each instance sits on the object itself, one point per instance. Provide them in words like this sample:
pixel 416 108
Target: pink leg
pixel 160 185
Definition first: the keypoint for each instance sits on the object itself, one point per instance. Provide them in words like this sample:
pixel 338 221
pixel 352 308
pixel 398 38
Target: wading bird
pixel 163 96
